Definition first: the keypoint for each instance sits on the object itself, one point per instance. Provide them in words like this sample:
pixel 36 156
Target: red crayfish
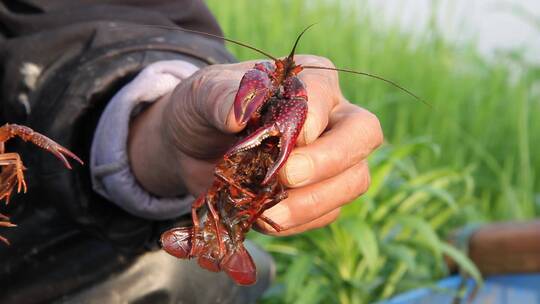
pixel 12 166
pixel 273 102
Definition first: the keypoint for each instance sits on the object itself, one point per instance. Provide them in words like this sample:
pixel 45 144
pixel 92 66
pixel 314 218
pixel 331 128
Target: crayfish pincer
pixel 272 103
pixel 12 165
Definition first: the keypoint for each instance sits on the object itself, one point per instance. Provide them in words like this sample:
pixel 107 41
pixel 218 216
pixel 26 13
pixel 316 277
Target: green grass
pixel 481 123
pixel 386 242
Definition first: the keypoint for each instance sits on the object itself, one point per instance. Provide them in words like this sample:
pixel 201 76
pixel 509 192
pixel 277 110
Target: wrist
pixel 152 159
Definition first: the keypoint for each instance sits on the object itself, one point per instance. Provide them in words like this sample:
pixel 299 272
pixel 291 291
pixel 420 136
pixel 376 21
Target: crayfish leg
pixel 14 170
pixel 4 222
pixel 277 227
pixel 240 266
pixel 8 131
pixel 4 240
pixel 237 187
pixel 198 203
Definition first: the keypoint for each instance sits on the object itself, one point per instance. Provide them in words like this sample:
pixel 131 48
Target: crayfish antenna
pixel 372 76
pixel 172 28
pixel 291 55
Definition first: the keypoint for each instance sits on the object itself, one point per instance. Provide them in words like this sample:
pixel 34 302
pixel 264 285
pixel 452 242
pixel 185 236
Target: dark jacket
pixel 60 63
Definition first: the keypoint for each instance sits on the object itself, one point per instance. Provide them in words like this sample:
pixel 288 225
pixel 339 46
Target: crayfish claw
pixel 255 88
pixel 254 139
pixel 286 145
pixel 57 150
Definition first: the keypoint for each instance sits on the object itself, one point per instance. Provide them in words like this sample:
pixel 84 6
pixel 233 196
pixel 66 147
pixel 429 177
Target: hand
pixel 175 144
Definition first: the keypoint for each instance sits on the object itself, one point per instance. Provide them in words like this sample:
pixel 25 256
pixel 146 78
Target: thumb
pixel 214 89
pixel 213 92
pixel 199 120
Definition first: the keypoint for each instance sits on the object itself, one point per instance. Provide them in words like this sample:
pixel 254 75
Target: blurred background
pixel 471 158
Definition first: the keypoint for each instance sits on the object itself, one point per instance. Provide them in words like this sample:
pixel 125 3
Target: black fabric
pixel 83 52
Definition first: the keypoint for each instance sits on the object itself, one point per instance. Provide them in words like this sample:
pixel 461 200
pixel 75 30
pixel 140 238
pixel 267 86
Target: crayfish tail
pixel 240 266
pixel 178 242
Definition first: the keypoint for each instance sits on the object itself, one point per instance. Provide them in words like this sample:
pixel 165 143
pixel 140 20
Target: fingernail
pixel 279 213
pixel 309 130
pixel 298 169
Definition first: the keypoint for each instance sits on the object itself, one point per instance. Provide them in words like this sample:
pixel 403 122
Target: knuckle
pixel 323 61
pixel 375 129
pixel 314 200
pixel 199 80
pixel 314 60
pixel 361 180
pixel 369 129
pixel 350 157
pixel 319 61
pixel 362 130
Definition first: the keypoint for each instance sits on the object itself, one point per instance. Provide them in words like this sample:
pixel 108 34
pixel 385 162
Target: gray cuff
pixel 109 166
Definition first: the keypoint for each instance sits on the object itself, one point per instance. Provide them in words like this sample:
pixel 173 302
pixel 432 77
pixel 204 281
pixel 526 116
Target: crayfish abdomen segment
pixel 178 242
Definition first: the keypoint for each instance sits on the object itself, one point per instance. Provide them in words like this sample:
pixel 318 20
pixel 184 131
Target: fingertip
pixel 298 170
pixel 374 124
pixel 311 129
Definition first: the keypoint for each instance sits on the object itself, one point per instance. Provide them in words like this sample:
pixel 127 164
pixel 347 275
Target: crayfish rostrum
pixel 272 102
pixel 12 165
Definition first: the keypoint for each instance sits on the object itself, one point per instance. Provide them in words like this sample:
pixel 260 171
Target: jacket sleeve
pixel 61 62
pixel 110 168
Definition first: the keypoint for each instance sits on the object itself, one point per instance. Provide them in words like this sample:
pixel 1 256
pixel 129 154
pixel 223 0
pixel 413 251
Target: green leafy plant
pixel 482 110
pixel 481 166
pixel 386 242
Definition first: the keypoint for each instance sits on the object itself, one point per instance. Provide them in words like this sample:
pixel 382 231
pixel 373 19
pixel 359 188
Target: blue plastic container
pixel 503 289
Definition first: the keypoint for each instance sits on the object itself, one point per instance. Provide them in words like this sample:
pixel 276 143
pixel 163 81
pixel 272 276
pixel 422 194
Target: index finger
pixel 352 135
pixel 323 95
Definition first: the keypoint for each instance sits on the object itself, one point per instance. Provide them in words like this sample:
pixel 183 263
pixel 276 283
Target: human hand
pixel 174 144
